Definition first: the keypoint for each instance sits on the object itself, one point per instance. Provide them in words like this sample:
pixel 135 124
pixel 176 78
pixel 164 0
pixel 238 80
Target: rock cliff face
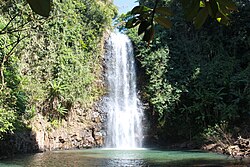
pixel 81 129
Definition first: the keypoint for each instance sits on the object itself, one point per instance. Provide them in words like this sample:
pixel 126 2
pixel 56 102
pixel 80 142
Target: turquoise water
pixel 120 158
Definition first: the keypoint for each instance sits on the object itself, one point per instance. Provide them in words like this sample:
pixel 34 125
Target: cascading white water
pixel 124 129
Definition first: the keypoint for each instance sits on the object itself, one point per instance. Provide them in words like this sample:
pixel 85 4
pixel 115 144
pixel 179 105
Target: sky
pixel 125 5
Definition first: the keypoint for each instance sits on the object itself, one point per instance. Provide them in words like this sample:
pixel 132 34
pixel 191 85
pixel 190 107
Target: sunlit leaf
pixel 41 7
pixel 202 4
pixel 163 11
pixel 218 19
pixel 132 22
pixel 163 21
pixel 221 18
pixel 146 9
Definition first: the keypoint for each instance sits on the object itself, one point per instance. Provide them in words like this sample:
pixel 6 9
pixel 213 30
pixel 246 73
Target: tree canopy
pixel 196 11
pixel 196 82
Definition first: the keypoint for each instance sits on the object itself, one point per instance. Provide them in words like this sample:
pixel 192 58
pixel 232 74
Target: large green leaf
pixel 191 8
pixel 136 10
pixel 140 9
pixel 201 18
pixel 41 7
pixel 163 11
pixel 132 22
pixel 149 34
pixel 163 21
pixel 143 27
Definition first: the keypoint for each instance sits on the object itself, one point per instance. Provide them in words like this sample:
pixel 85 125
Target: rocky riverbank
pixel 239 149
pixel 80 129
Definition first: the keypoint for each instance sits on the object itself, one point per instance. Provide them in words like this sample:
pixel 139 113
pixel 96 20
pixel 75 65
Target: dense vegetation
pixel 197 81
pixel 49 65
pixel 197 11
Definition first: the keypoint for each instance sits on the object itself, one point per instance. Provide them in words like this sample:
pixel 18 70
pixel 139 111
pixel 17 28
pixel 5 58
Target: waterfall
pixel 124 117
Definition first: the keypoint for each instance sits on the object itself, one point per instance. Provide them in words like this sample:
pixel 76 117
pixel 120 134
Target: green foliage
pixel 30 113
pixel 197 79
pixel 199 10
pixel 7 113
pixel 162 94
pixel 12 98
pixel 55 124
pixel 12 105
pixel 219 134
pixel 50 64
pixel 149 13
pixel 146 17
pixel 61 110
pixel 56 89
pixel 68 61
pixel 7 118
